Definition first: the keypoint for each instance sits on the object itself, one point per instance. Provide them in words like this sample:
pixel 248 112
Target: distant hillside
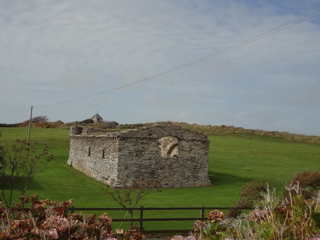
pixel 228 130
pixel 205 129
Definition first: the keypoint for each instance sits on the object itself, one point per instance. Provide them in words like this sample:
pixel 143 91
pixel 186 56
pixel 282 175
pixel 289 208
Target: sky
pixel 252 63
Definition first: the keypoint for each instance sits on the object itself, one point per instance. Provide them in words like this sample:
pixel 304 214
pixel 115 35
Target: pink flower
pixel 105 217
pixel 258 215
pixel 177 237
pixel 216 216
pixel 198 225
pixel 53 233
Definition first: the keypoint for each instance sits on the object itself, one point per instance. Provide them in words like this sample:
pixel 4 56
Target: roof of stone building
pixel 155 131
pixel 97 116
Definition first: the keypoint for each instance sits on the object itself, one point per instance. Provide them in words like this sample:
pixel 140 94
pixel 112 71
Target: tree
pixel 19 163
pixel 38 119
pixel 129 192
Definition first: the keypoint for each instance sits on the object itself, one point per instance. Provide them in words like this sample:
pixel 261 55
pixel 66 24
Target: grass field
pixel 234 160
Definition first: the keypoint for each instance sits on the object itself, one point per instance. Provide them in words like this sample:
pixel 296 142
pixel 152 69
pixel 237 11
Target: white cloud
pixel 59 51
pixel 76 78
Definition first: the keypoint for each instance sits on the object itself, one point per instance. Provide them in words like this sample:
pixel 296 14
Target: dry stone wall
pixel 177 157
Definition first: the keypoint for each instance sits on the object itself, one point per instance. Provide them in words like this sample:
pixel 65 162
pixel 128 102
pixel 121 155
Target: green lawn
pixel 234 160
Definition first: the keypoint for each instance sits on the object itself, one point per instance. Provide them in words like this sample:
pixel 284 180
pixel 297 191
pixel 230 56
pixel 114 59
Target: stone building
pixel 97 118
pixel 177 157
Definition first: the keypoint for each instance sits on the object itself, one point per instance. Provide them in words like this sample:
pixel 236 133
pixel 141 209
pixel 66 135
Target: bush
pixel 111 124
pixel 87 121
pixel 272 219
pixel 37 119
pixel 9 125
pixel 309 182
pixel 249 194
pixel 47 219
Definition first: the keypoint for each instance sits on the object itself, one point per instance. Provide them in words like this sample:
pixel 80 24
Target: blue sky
pixel 137 61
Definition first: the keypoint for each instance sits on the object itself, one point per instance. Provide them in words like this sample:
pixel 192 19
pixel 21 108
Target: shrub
pixel 111 124
pixel 128 192
pixel 9 125
pixel 37 119
pixel 249 194
pixel 272 219
pixel 47 219
pixel 87 121
pixel 309 182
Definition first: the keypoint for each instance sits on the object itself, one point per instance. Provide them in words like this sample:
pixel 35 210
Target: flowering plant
pixel 293 217
pixel 46 219
pixel 216 216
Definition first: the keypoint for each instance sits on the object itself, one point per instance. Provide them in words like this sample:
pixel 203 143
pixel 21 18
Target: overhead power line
pixel 188 64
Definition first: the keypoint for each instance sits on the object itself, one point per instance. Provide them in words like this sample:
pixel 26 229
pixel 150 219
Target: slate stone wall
pixel 95 156
pixel 140 153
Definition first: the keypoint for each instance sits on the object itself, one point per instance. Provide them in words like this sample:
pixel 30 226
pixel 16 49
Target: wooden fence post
pixel 202 213
pixel 141 218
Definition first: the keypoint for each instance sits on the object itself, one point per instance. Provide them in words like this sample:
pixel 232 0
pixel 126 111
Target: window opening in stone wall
pixel 169 146
pixel 103 153
pixel 89 151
